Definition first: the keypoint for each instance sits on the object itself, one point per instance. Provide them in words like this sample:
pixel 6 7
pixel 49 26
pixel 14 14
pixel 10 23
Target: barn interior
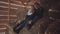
pixel 13 11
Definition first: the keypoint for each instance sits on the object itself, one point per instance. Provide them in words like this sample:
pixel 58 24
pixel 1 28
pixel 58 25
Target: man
pixel 38 14
pixel 24 22
pixel 35 13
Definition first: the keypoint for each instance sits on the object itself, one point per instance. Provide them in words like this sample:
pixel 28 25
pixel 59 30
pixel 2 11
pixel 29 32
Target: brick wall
pixel 7 16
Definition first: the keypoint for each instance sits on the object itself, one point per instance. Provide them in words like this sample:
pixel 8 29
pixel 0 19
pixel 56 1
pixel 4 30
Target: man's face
pixel 36 6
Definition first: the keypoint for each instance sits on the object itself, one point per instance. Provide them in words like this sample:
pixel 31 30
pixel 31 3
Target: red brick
pixel 14 2
pixel 12 21
pixel 3 21
pixel 4 0
pixel 13 12
pixel 1 28
pixel 14 6
pixel 11 17
pixel 1 4
pixel 5 9
pixel 10 1
pixel 3 13
pixel 3 17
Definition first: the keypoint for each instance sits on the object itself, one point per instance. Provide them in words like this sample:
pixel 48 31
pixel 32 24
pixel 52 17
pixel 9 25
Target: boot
pixel 19 27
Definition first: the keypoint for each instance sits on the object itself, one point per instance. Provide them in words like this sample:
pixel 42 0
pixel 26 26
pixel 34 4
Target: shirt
pixel 29 12
pixel 39 11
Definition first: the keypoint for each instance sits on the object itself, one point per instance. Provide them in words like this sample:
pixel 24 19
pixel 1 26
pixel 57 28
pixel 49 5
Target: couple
pixel 34 14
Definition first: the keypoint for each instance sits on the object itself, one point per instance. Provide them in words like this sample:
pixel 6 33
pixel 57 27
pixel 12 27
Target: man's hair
pixel 36 3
